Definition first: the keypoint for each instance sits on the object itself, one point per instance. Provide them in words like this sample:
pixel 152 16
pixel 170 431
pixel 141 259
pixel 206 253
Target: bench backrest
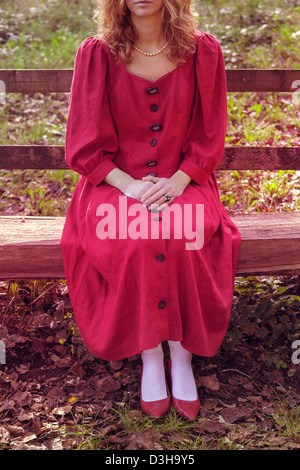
pixel 235 157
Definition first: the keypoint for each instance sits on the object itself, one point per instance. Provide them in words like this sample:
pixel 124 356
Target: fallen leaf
pixel 72 400
pixel 233 414
pixel 4 436
pixel 210 382
pixel 22 398
pixel 15 431
pixel 148 440
pixel 23 416
pixel 108 384
pixel 62 410
pixel 214 426
pixel 23 368
pixel 116 365
pixel 77 369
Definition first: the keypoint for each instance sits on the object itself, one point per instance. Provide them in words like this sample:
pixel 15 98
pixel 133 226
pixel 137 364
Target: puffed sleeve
pixel 204 142
pixel 91 139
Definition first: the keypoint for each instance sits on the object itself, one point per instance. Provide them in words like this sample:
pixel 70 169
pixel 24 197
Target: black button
pixel 157 219
pixel 151 163
pixel 156 127
pixel 153 142
pixel 162 304
pixel 154 108
pixel 152 91
pixel 160 257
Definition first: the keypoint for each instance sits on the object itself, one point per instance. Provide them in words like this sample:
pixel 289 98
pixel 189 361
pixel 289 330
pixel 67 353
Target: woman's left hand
pixel 154 197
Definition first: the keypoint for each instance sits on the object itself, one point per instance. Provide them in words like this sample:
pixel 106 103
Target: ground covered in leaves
pixel 55 395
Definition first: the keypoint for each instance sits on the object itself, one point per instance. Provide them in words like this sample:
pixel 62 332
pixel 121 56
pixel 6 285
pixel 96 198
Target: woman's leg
pixel 153 386
pixel 183 381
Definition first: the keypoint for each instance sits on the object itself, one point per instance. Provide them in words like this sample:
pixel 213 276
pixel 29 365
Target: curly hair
pixel 116 28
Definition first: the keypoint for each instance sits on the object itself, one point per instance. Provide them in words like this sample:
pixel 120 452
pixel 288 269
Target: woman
pixel 146 130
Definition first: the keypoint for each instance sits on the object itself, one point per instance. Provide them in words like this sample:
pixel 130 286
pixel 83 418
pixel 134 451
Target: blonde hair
pixel 116 28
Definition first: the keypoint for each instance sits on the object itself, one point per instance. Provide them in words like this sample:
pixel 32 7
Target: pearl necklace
pixel 151 53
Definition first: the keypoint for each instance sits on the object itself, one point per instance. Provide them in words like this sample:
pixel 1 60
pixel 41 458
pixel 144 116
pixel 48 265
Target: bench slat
pixel 235 158
pixel 29 246
pixel 59 80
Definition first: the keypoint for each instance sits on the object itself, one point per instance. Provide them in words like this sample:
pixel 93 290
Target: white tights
pixel 154 382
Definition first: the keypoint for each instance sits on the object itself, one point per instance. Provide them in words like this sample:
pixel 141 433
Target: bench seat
pixel 29 246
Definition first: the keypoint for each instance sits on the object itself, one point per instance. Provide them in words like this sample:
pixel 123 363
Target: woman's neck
pixel 150 31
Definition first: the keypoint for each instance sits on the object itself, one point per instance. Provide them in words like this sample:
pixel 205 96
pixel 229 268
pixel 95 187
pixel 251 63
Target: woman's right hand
pixel 126 184
pixel 137 188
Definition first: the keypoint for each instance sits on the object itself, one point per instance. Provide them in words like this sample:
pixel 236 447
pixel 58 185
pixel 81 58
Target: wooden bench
pixel 29 246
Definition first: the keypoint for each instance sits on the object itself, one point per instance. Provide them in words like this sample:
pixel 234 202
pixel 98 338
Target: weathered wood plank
pixel 235 158
pixel 29 247
pixel 262 80
pixel 261 158
pixel 36 80
pixel 32 157
pixel 59 80
pixel 270 243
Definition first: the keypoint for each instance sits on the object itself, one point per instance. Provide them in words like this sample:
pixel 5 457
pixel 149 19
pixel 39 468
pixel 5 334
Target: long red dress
pixel 130 293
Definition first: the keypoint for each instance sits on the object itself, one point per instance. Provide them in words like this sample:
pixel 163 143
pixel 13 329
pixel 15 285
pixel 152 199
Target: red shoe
pixel 157 408
pixel 187 409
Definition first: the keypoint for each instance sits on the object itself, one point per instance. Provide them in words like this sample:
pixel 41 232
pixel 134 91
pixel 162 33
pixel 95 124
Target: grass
pixel 266 32
pixel 27 45
pixel 173 433
pixel 183 433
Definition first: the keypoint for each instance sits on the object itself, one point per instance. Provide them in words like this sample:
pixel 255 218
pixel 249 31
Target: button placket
pixel 159 257
pixel 162 280
pixel 156 127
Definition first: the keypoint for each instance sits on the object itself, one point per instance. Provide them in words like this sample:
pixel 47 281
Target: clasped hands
pixel 151 190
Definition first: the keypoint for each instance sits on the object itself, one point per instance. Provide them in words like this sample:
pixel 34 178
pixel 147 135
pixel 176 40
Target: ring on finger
pixel 167 197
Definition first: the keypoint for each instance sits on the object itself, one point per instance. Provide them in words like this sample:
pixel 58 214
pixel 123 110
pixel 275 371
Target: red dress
pixel 130 292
